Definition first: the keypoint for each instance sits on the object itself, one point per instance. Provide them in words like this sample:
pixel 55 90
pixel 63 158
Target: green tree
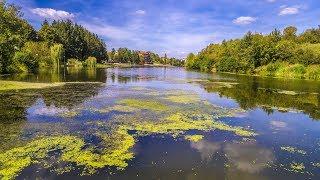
pixel 14 31
pixel 290 33
pixel 57 54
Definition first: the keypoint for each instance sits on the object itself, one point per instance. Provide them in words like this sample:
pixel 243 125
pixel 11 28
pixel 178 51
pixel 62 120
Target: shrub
pixel 23 62
pixel 228 64
pixel 292 71
pixel 313 72
pixel 90 62
pixel 308 54
pixel 271 69
pixel 74 63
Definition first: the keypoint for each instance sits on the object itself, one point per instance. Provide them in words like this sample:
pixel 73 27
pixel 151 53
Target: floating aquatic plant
pixel 184 98
pixel 297 167
pixel 293 150
pixel 144 104
pixel 177 123
pixel 118 107
pixel 17 85
pixel 194 138
pixel 72 150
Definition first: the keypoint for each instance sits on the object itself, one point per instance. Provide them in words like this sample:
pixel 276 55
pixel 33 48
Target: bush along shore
pixel 283 54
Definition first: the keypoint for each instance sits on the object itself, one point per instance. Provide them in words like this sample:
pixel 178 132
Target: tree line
pixel 23 49
pixel 125 55
pixel 282 54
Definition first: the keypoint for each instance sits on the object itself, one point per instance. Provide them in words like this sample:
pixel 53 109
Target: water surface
pixel 262 128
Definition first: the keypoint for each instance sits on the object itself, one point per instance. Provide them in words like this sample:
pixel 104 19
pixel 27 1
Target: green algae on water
pixel 297 167
pixel 144 104
pixel 293 150
pixel 194 138
pixel 17 85
pixel 72 150
pixel 183 99
pixel 118 107
pixel 178 123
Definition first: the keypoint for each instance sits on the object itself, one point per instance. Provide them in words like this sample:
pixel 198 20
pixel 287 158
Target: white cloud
pixel 271 1
pixel 244 20
pixel 140 12
pixel 108 31
pixel 52 13
pixel 288 11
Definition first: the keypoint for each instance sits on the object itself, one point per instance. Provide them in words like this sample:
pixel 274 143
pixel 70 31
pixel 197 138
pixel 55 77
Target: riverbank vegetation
pixel 125 55
pixel 278 54
pixel 23 49
pixel 56 43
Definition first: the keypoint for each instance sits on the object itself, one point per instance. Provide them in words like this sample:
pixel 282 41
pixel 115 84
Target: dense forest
pixel 280 54
pixel 24 49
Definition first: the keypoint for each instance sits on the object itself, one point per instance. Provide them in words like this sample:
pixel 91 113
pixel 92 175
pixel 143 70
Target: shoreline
pixel 126 65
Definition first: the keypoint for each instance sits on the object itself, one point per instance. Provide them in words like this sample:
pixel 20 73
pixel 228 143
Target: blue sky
pixel 175 27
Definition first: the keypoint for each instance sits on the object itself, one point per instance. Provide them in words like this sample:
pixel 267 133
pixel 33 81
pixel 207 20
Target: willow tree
pixel 57 54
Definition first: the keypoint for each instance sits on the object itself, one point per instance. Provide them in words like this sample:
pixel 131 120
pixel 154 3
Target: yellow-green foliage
pixel 90 62
pixel 16 85
pixel 271 69
pixel 194 138
pixel 74 63
pixel 144 104
pixel 184 98
pixel 293 150
pixel 297 167
pixel 313 72
pixel 286 70
pixel 292 71
pixel 15 160
pixel 57 54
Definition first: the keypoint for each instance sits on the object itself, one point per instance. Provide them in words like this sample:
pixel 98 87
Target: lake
pixel 160 123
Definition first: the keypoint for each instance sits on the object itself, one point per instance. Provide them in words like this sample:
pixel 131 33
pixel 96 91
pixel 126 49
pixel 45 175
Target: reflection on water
pixel 107 108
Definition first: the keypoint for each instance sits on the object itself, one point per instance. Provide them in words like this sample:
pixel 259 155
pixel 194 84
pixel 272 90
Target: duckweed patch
pixel 178 123
pixel 118 107
pixel 144 104
pixel 297 167
pixel 184 98
pixel 16 85
pixel 194 138
pixel 293 150
pixel 72 150
pixel 15 160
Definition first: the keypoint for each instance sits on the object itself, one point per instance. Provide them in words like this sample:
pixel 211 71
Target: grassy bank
pixel 290 71
pixel 16 85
